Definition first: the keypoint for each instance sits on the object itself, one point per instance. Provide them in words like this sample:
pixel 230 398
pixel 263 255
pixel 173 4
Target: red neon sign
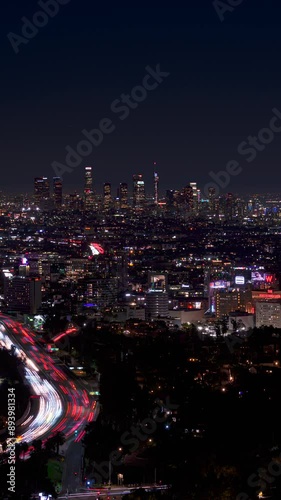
pixel 269 278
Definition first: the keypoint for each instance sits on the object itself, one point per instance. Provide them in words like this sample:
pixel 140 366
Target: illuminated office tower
pixel 157 304
pixel 41 189
pixel 217 206
pixel 193 186
pixel 138 191
pixel 230 300
pixel 88 180
pixel 107 199
pixel 268 314
pixel 74 201
pixel 170 197
pixel 156 186
pixel 88 189
pixel 229 206
pixel 212 198
pixel 240 208
pixel 122 270
pixel 57 191
pixel 123 195
pixel 23 294
pixel 188 199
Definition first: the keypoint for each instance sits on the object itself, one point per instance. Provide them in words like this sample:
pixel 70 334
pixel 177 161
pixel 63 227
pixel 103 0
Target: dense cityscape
pixel 141 334
pixel 140 251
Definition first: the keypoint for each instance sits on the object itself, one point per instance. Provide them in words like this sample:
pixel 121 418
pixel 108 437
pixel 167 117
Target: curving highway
pixel 59 403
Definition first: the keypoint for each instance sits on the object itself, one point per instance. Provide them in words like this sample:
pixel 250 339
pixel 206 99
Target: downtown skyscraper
pixel 138 191
pixel 88 189
pixel 57 191
pixel 41 189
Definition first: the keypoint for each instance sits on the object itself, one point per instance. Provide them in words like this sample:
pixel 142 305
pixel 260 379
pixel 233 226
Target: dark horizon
pixel 224 80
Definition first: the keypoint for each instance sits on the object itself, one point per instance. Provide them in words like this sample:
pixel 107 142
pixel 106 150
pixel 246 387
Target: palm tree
pixel 37 445
pixel 49 444
pixel 59 440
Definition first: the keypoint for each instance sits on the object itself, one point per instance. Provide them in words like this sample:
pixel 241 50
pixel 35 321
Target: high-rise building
pixel 123 195
pixel 74 201
pixel 157 304
pixel 198 196
pixel 88 180
pixel 231 300
pixel 229 206
pixel 193 186
pixel 156 186
pixel 23 294
pixel 138 191
pixel 107 199
pixel 57 191
pixel 268 314
pixel 41 189
pixel 122 270
pixel 188 199
pixel 88 189
pixel 212 197
pixel 171 197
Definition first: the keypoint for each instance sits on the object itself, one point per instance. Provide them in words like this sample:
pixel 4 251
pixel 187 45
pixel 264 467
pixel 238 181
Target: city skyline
pixel 149 180
pixel 188 122
pixel 140 251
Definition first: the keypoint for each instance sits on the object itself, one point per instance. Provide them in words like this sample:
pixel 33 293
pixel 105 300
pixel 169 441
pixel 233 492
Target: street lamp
pixel 120 479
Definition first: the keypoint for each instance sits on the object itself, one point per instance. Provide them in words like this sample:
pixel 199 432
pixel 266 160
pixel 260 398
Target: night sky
pixel 225 79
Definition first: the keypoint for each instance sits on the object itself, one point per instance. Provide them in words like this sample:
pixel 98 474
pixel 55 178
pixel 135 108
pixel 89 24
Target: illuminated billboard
pixel 258 276
pixel 158 282
pixel 239 280
pixel 96 249
pixel 219 284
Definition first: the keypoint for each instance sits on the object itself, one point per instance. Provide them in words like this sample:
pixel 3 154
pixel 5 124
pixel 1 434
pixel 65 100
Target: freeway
pixel 60 404
pixel 113 491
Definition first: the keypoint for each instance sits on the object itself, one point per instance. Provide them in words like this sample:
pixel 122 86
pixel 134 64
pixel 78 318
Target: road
pixel 61 402
pixel 114 491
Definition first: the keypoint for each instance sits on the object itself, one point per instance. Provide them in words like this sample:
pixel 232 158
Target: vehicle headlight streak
pixel 61 405
pixel 50 407
pixel 50 404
